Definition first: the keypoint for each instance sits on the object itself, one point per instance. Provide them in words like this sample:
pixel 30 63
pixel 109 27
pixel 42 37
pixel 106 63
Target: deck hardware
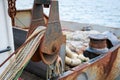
pixel 97 46
pixel 5 50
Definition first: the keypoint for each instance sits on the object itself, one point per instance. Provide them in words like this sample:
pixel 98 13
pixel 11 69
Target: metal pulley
pixel 53 38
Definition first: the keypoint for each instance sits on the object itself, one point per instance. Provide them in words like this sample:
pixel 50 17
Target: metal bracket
pixel 53 37
pixel 5 50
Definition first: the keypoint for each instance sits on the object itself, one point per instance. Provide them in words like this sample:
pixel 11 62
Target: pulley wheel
pixel 49 58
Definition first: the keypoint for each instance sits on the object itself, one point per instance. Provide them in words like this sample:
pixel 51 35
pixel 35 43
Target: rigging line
pixel 21 22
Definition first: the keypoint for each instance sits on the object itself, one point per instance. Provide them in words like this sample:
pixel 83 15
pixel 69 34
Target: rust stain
pixel 74 72
pixel 104 68
pixel 111 62
pixel 115 69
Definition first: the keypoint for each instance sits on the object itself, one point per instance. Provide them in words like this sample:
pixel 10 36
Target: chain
pixel 12 10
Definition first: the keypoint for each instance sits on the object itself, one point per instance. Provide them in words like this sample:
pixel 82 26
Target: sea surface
pixel 102 12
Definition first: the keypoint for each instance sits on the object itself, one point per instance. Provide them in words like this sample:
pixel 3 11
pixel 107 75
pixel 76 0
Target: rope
pixel 23 54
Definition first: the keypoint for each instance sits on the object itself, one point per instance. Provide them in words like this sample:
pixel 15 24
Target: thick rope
pixel 23 54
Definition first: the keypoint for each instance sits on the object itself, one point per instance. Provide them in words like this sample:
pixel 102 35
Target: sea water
pixel 102 12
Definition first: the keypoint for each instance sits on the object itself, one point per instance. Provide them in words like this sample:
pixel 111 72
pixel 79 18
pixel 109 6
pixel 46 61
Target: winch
pixel 97 45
